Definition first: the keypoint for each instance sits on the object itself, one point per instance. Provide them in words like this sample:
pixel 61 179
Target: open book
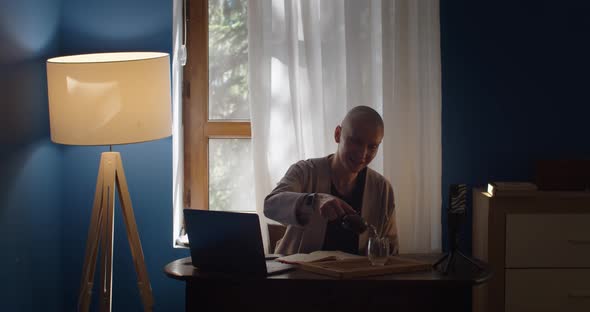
pixel 317 256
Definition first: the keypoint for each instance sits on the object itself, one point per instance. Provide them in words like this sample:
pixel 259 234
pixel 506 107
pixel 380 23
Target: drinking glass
pixel 378 250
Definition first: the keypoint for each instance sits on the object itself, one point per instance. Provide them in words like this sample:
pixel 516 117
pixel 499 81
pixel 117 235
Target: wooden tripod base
pixel 111 174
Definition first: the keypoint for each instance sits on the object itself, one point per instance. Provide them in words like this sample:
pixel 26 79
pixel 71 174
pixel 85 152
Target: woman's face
pixel 358 143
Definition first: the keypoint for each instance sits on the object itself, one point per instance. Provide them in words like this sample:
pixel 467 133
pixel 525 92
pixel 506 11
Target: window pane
pixel 228 60
pixel 230 175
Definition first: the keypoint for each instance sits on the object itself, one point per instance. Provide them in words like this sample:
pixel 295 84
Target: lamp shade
pixel 109 98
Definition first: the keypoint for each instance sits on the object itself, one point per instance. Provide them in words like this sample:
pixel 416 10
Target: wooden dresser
pixel 538 246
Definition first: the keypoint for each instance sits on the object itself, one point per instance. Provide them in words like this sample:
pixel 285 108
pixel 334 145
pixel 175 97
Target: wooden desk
pixel 305 291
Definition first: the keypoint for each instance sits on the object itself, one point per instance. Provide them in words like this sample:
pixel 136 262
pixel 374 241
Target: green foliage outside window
pixel 230 165
pixel 228 60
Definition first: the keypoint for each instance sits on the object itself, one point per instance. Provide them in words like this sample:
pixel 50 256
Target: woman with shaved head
pixel 315 194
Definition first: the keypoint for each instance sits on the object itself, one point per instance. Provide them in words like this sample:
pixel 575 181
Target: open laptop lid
pixel 228 242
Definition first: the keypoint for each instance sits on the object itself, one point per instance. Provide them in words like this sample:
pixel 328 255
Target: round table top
pixel 464 273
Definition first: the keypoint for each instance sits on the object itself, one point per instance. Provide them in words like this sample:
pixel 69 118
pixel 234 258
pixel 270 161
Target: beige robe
pixel 313 176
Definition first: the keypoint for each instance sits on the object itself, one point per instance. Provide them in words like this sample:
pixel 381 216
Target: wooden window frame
pixel 198 129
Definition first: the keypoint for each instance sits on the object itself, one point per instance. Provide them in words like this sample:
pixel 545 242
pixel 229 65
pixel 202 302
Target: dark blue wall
pixel 514 88
pixel 30 165
pixel 121 25
pixel 112 25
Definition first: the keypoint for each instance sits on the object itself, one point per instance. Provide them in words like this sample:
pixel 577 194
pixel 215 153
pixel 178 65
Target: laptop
pixel 228 242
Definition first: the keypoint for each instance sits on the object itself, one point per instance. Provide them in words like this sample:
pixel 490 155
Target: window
pixel 216 112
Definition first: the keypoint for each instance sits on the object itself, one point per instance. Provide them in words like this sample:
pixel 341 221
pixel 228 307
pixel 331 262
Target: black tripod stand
pixel 456 216
pixel 448 261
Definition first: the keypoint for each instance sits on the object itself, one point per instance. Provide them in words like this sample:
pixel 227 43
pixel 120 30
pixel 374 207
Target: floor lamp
pixel 109 99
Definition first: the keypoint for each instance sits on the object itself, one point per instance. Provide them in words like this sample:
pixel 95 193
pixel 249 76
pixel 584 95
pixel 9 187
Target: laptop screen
pixel 227 242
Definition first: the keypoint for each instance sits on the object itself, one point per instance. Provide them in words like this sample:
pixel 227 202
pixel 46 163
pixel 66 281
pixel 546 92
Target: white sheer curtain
pixel 412 114
pixel 310 61
pixel 178 60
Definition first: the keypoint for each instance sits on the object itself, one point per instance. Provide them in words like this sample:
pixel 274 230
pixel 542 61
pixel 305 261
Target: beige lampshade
pixel 109 98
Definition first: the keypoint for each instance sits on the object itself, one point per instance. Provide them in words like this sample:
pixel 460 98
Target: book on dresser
pixel 495 187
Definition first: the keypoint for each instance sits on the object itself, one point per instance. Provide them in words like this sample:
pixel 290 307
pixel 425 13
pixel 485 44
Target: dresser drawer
pixel 548 240
pixel 544 290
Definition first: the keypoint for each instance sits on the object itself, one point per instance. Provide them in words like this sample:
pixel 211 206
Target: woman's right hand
pixel 332 207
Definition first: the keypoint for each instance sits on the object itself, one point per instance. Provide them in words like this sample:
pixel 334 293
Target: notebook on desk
pixel 228 242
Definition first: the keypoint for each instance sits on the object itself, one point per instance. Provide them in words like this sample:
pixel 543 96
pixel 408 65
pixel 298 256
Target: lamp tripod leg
pixel 94 231
pixel 143 283
pixel 108 212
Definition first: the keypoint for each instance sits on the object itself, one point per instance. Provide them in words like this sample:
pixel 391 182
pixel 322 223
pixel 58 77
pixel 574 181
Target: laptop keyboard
pixel 275 267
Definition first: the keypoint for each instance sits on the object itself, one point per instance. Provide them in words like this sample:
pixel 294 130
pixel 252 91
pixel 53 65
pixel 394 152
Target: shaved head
pixel 363 114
